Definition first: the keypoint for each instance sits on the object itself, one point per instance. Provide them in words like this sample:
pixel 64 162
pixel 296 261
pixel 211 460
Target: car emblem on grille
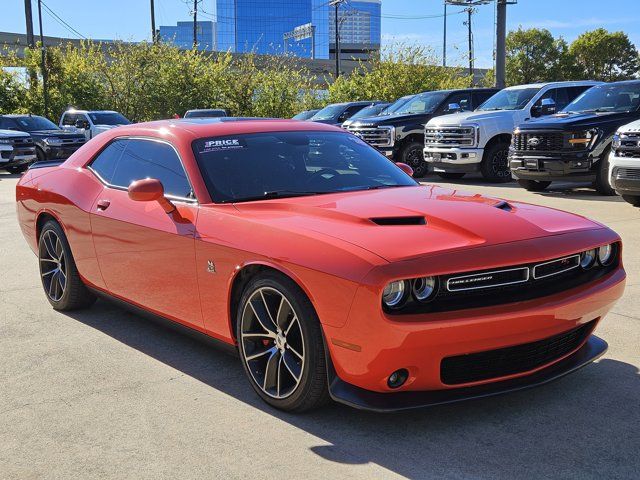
pixel 439 136
pixel 533 142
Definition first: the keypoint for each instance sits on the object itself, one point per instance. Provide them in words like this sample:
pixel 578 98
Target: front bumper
pixel 372 344
pixel 552 166
pixel 458 160
pixel 624 173
pixel 357 397
pixel 13 157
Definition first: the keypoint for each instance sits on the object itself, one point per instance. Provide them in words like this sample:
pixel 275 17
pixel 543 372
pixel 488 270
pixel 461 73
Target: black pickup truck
pixel 400 136
pixel 574 144
pixel 51 141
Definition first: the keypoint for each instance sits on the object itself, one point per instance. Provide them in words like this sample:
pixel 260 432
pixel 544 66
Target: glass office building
pixel 259 26
pixel 182 35
pixel 359 27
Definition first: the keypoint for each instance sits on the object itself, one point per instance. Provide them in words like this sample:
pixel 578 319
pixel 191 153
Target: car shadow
pixel 583 426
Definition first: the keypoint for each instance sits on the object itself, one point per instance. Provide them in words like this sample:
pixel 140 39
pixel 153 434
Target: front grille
pixel 538 141
pixel 19 142
pixel 475 367
pixel 449 137
pixel 629 145
pixel 374 136
pixel 628 173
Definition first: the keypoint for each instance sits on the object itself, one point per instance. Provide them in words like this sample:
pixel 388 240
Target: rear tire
pixel 412 155
pixel 632 199
pixel 450 175
pixel 603 185
pixel 281 344
pixel 533 185
pixel 60 278
pixel 495 163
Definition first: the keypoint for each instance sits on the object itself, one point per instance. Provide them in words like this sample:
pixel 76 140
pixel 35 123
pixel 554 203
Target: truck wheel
pixel 450 175
pixel 533 185
pixel 632 199
pixel 603 186
pixel 495 163
pixel 412 155
pixel 281 344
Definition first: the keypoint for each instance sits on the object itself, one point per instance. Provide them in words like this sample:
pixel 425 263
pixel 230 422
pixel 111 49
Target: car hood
pixel 470 117
pixel 55 133
pixel 328 121
pixel 441 219
pixel 568 121
pixel 394 120
pixel 12 134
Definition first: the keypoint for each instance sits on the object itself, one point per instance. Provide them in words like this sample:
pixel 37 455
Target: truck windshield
pixel 329 112
pixel 396 105
pixel 422 103
pixel 108 118
pixel 370 111
pixel 607 98
pixel 509 99
pixel 34 123
pixel 268 165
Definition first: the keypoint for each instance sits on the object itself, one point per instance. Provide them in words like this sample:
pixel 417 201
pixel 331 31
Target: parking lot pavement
pixel 103 393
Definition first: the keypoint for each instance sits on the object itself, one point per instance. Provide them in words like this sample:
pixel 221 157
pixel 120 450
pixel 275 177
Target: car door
pixel 146 256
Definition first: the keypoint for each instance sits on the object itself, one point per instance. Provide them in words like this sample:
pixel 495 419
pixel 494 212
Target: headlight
pixel 588 258
pixel 583 139
pixel 395 293
pixel 615 143
pixel 53 141
pixel 605 254
pixel 425 288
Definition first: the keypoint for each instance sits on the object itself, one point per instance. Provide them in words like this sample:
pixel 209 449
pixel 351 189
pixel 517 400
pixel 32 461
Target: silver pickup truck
pixel 17 151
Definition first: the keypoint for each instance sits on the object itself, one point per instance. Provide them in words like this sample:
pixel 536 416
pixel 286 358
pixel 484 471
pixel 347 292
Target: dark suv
pixel 574 144
pixel 337 113
pixel 400 136
pixel 51 141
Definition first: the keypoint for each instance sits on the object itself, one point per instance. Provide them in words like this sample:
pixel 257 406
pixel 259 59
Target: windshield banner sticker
pixel 222 144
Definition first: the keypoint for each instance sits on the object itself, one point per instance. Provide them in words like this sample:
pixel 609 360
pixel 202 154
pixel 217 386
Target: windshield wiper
pixel 274 194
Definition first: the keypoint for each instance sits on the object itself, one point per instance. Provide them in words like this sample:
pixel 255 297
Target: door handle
pixel 103 204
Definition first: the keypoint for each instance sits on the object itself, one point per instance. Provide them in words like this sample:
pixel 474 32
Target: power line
pixel 61 21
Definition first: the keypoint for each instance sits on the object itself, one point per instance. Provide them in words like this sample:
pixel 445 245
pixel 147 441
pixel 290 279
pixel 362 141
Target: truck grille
pixel 475 367
pixel 629 145
pixel 449 137
pixel 374 136
pixel 628 173
pixel 538 141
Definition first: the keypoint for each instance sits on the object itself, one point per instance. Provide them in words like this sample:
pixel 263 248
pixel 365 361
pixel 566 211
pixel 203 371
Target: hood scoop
pixel 399 221
pixel 503 206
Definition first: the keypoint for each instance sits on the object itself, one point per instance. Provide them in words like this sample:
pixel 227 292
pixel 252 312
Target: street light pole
pixel 154 38
pixel 501 27
pixel 45 92
pixel 195 24
pixel 444 43
pixel 29 18
pixel 336 4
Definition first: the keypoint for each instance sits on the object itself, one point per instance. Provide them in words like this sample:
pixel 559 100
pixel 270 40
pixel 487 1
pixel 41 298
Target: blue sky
pixel 129 20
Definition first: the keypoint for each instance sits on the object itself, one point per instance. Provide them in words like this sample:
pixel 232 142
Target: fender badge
pixel 211 267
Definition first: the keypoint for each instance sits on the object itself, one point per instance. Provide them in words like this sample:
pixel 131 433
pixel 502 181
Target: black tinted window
pixel 7 124
pixel 151 159
pixel 105 163
pixel 69 119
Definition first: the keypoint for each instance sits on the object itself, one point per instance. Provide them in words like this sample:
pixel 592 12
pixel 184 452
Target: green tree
pixel 12 90
pixel 534 55
pixel 602 55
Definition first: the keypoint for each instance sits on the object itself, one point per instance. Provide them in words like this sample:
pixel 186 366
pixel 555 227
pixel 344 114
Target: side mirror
pixel 547 107
pixel 454 107
pixel 150 190
pixel 405 168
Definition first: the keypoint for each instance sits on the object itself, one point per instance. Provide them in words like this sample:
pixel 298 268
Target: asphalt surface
pixel 103 393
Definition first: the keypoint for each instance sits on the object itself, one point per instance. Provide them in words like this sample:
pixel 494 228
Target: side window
pixel 105 163
pixel 6 124
pixel 69 119
pixel 152 159
pixel 573 92
pixel 462 99
pixel 562 98
pixel 480 97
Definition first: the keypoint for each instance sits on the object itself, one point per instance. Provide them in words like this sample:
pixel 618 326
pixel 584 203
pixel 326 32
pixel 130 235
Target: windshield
pixel 205 114
pixel 108 118
pixel 396 105
pixel 422 103
pixel 329 112
pixel 305 115
pixel 509 99
pixel 261 166
pixel 370 111
pixel 607 98
pixel 33 123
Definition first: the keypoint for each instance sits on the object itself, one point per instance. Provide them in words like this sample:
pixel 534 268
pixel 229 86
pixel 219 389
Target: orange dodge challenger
pixel 329 270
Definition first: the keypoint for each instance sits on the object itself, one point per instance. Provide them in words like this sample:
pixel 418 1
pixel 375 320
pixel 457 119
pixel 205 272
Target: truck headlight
pixel 53 141
pixel 5 141
pixel 583 139
pixel 615 143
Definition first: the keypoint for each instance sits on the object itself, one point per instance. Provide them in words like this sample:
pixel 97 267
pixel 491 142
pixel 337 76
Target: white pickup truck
pixel 478 141
pixel 91 122
pixel 17 151
pixel 624 162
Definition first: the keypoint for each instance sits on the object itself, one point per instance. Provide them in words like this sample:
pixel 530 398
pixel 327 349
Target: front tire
pixel 533 185
pixel 412 155
pixel 603 186
pixel 632 199
pixel 281 344
pixel 495 163
pixel 60 278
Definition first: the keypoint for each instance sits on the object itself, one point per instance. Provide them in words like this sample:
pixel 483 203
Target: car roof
pixel 73 110
pixel 206 110
pixel 573 83
pixel 20 115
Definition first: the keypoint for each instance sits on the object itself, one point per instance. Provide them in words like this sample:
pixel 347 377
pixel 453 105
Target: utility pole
pixel 336 4
pixel 444 42
pixel 29 18
pixel 195 24
pixel 154 37
pixel 45 91
pixel 501 32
